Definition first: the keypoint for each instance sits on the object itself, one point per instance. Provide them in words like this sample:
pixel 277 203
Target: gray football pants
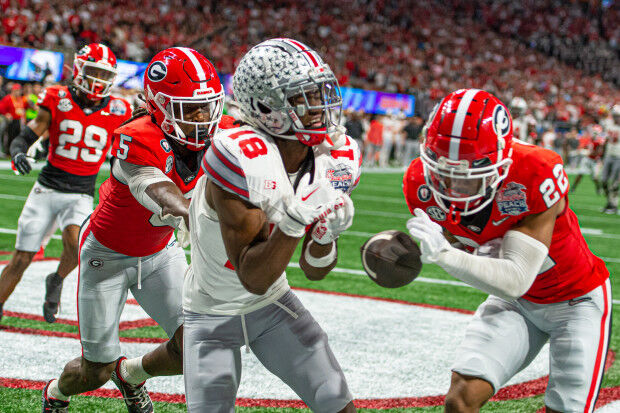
pixel 290 345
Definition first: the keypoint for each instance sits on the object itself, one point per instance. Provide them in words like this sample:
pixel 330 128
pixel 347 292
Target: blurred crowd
pixel 427 48
pixel 555 62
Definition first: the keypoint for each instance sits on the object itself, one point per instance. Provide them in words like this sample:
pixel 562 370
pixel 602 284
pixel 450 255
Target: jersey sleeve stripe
pixel 219 181
pixel 227 158
pixel 223 176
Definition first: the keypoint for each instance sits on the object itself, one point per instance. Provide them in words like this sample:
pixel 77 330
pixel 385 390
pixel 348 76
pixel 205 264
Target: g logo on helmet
pixel 157 71
pixel 501 121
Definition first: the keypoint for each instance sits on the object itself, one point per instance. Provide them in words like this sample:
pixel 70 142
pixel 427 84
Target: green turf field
pixel 379 206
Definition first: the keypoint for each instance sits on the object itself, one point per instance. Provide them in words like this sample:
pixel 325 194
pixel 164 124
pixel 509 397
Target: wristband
pixel 320 262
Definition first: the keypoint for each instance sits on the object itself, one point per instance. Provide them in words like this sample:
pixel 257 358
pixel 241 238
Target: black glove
pixel 22 164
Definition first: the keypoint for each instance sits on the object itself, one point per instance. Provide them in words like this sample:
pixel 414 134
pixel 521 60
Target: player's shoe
pixel 51 405
pixel 53 289
pixel 136 397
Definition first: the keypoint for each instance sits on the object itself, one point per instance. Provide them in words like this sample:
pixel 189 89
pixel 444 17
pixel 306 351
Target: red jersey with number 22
pixel 120 222
pixel 80 137
pixel 536 181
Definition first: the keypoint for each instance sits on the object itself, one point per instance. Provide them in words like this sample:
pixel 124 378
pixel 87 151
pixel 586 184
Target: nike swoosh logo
pixel 303 198
pixel 496 223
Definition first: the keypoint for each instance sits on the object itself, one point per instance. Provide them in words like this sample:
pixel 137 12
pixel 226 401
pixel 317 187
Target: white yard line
pixel 12 197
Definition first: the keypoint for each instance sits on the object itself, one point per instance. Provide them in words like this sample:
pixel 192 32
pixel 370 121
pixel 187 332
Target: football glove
pixel 429 234
pixel 328 229
pixel 21 163
pixel 309 204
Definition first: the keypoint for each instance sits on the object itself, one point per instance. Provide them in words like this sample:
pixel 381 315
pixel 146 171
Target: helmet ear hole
pixel 260 106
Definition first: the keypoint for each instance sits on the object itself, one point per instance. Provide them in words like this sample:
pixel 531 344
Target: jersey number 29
pixel 95 139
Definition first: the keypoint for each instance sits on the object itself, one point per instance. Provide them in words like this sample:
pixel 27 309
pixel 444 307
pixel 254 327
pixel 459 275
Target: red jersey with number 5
pixel 80 137
pixel 536 181
pixel 120 222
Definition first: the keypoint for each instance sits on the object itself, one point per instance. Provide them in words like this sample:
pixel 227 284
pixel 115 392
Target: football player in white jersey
pixel 285 174
pixel 610 175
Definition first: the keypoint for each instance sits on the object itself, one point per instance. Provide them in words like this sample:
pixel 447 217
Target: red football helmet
pixel 94 70
pixel 466 151
pixel 183 91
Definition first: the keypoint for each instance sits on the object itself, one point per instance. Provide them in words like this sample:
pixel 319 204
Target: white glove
pixel 327 229
pixel 308 205
pixel 429 234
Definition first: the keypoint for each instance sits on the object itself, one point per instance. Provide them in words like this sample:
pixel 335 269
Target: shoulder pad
pixel 141 142
pixel 240 159
pixel 50 95
pixel 542 172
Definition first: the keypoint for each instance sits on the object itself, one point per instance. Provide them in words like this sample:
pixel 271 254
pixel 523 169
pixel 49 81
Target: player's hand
pixel 21 163
pixel 308 205
pixel 429 234
pixel 328 229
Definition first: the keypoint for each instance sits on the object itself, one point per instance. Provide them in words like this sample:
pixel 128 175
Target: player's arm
pixel 523 251
pixel 154 191
pixel 317 260
pixel 27 136
pixel 258 257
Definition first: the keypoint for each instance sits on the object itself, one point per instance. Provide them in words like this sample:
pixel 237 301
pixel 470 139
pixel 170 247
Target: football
pixel 391 259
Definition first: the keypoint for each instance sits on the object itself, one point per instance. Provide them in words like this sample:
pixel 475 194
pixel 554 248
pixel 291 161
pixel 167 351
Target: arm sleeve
pixel 22 141
pixel 138 178
pixel 509 276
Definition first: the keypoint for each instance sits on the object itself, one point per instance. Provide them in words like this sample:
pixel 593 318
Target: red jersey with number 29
pixel 120 222
pixel 80 137
pixel 536 181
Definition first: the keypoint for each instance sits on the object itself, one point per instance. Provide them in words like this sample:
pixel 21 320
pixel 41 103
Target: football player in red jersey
pixel 505 202
pixel 128 242
pixel 80 119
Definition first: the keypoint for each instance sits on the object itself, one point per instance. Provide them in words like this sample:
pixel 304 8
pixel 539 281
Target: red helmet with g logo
pixel 94 70
pixel 184 94
pixel 466 151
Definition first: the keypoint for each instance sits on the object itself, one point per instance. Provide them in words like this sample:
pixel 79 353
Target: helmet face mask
pixel 457 187
pixel 284 88
pixel 467 150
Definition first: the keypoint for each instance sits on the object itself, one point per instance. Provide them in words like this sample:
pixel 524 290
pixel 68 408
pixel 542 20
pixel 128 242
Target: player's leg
pixel 292 345
pixel 578 348
pixel 72 210
pixel 34 222
pixel 605 176
pixel 102 292
pixel 211 362
pixel 160 296
pixel 578 178
pixel 499 343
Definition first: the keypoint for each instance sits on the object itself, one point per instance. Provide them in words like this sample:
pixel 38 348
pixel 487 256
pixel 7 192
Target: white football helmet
pixel 275 71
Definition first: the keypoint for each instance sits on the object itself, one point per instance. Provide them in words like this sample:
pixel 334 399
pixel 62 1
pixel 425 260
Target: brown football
pixel 391 259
